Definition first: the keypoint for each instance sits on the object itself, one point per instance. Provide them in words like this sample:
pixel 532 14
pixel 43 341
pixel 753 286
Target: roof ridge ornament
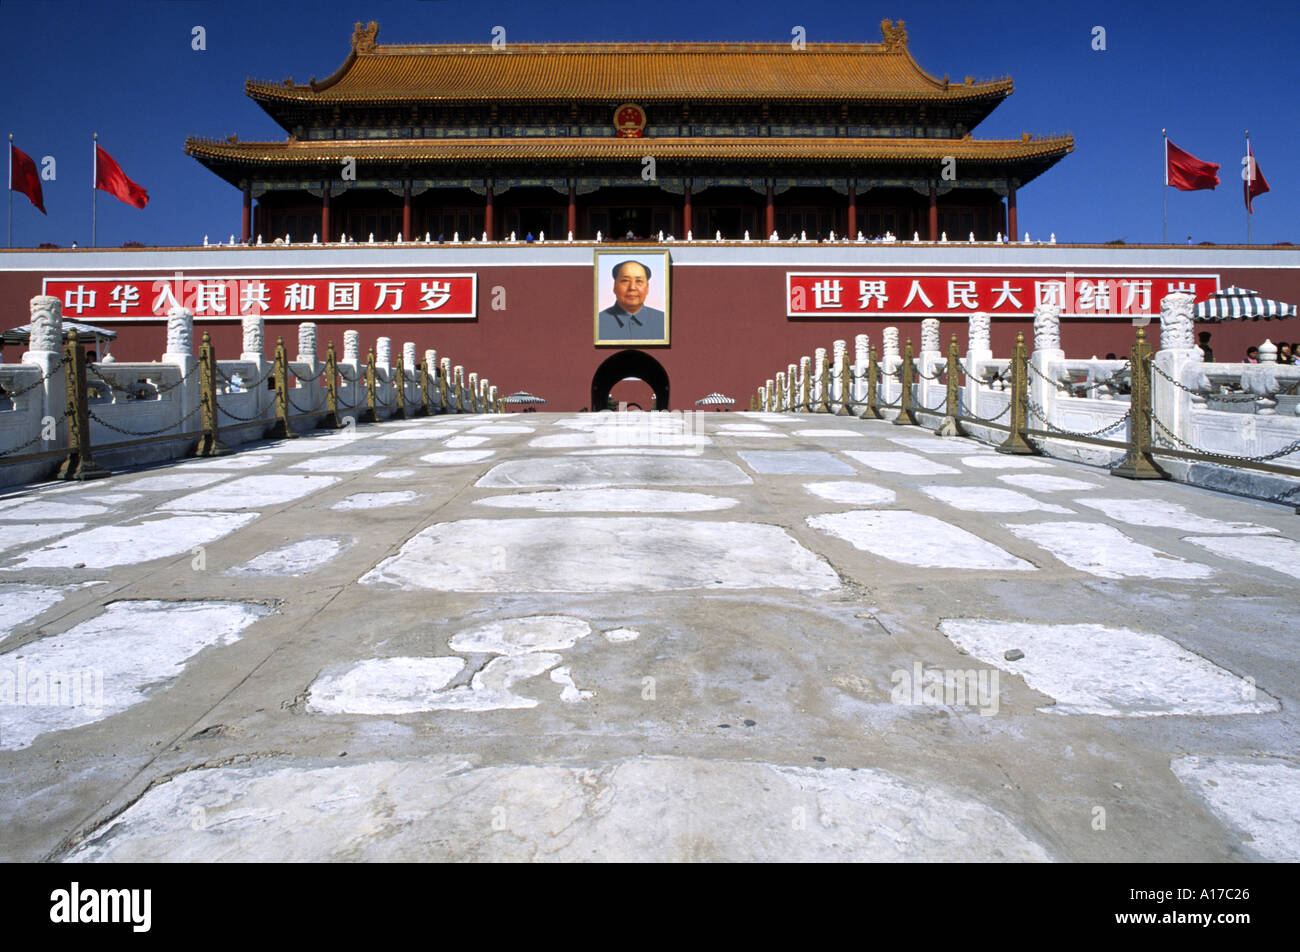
pixel 894 35
pixel 364 37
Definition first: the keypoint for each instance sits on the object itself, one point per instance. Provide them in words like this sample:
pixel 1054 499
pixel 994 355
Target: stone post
pixel 818 380
pixel 180 354
pixel 45 351
pixel 861 354
pixel 1047 352
pixel 890 361
pixel 1180 359
pixel 838 350
pixel 978 352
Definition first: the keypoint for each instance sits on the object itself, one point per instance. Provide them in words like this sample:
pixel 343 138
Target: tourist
pixel 628 318
pixel 1204 338
pixel 1284 353
pixel 1252 355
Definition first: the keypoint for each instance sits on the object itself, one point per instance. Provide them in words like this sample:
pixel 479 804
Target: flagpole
pixel 1250 179
pixel 94 180
pixel 1164 193
pixel 11 190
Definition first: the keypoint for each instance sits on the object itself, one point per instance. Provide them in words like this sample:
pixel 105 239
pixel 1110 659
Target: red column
pixel 686 210
pixel 406 211
pixel 573 208
pixel 325 215
pixel 246 221
pixel 488 214
pixel 853 210
pixel 770 220
pixel 1011 211
pixel 934 214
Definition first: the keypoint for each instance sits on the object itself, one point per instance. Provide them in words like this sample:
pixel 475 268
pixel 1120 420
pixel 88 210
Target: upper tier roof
pixel 637 72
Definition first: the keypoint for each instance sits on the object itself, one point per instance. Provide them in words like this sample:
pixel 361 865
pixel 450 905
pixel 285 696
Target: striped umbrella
pixel 715 399
pixel 1240 304
pixel 523 396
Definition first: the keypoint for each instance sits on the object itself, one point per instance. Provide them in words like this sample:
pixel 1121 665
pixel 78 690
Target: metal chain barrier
pixel 246 386
pixel 1174 442
pixel 43 379
pixel 1037 412
pixel 126 432
pixel 1059 385
pixel 236 416
pixel 969 414
pixel 39 437
pixel 299 409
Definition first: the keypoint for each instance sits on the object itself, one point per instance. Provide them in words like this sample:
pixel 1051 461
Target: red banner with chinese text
pixel 306 297
pixel 863 294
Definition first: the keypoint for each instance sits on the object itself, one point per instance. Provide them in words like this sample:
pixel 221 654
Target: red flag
pixel 24 178
pixel 1186 172
pixel 110 178
pixel 1254 182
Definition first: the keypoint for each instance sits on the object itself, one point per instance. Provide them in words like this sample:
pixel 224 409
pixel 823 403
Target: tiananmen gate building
pixel 491 203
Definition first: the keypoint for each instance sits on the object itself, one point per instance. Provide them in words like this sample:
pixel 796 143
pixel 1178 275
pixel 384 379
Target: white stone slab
pixel 1004 461
pixel 727 435
pixel 234 461
pixel 19 604
pixel 423 433
pixel 144 540
pixel 1280 555
pixel 249 491
pixel 109 663
pixel 684 452
pixel 384 686
pixel 609 500
pixel 315 444
pixel 1169 515
pixel 912 538
pixel 943 446
pixel 618 636
pixel 464 442
pixel 607 471
pixel 337 464
pixel 742 428
pixel 630 810
pixel 291 561
pixel 1111 672
pixel 513 636
pixel 496 429
pixel 375 500
pixel 892 461
pixel 395 474
pixel 794 463
pixel 37 510
pixel 108 499
pixel 14 536
pixel 1257 798
pixel 172 482
pixel 852 493
pixel 1106 552
pixel 831 433
pixel 989 499
pixel 570 693
pixel 620 436
pixel 457 457
pixel 1044 483
pixel 601 554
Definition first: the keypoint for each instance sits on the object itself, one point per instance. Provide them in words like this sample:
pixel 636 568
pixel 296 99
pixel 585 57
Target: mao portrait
pixel 631 297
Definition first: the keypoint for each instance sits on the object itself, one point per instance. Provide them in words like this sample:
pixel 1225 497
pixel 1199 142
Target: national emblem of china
pixel 629 120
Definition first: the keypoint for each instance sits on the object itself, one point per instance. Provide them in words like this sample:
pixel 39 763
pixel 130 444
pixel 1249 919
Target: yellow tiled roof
pixel 629 72
pixel 699 147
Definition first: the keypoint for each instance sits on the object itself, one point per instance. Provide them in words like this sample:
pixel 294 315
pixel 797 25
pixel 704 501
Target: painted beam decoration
pixel 894 294
pixel 101 299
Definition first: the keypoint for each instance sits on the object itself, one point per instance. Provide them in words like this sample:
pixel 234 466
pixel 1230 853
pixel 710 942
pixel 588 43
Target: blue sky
pixel 1205 71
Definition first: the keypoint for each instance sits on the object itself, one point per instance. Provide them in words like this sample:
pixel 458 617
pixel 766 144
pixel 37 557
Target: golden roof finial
pixel 895 36
pixel 364 37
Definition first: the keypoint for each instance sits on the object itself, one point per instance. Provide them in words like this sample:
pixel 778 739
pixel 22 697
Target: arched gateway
pixel 629 363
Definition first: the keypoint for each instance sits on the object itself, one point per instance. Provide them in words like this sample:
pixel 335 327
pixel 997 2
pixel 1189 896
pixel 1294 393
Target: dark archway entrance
pixel 629 363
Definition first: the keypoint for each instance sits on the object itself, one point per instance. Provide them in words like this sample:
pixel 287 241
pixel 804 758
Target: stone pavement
pixel 645 637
